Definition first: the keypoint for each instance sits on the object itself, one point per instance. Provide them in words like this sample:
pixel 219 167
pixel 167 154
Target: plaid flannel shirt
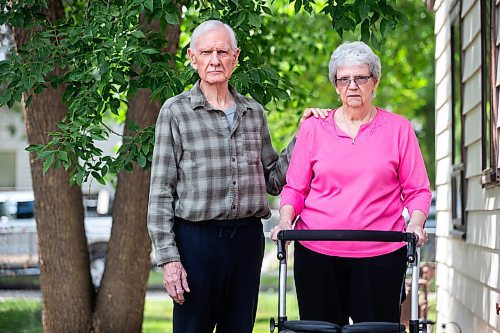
pixel 203 171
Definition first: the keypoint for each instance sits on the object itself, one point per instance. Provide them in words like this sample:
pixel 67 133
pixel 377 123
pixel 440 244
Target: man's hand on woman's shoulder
pixel 316 112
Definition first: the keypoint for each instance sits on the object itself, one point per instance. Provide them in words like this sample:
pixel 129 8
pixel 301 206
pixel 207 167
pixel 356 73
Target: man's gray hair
pixel 211 25
pixel 354 53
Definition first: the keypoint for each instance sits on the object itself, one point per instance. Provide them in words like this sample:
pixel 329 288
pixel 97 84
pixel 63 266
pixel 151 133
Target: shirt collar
pixel 198 99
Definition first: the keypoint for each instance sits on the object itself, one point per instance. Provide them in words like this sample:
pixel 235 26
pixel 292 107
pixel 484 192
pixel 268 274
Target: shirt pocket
pixel 252 144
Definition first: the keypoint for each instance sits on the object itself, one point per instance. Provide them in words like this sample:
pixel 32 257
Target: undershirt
pixel 230 116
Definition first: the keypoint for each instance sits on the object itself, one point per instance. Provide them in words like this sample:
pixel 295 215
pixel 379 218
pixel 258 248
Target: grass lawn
pixel 158 313
pixel 24 316
pixel 20 316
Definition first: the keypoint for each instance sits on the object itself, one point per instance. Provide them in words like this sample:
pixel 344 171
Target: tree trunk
pixel 124 282
pixel 64 263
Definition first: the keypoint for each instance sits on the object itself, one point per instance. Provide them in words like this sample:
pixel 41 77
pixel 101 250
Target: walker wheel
pixel 272 325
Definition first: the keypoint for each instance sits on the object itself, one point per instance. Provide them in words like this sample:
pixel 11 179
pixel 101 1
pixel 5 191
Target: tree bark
pixel 124 282
pixel 63 255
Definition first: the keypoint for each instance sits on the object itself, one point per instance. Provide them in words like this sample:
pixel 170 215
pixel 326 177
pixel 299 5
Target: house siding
pixel 467 276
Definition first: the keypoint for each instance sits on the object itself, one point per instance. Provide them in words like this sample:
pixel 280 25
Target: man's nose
pixel 214 58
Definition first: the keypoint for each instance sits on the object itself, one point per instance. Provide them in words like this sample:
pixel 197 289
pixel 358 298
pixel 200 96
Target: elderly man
pixel 213 166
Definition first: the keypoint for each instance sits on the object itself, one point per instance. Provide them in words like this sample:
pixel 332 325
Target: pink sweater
pixel 335 183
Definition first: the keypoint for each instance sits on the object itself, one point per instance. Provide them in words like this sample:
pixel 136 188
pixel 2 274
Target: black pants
pixel 223 260
pixel 333 288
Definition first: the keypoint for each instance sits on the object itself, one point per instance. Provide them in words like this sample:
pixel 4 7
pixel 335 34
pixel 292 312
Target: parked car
pixel 18 236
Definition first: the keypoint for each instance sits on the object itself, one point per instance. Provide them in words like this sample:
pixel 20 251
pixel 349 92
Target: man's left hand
pixel 316 112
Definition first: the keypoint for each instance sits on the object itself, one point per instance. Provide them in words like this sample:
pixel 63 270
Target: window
pixel 8 167
pixel 489 104
pixel 457 121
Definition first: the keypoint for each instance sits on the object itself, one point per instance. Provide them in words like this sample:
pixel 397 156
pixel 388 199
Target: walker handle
pixel 348 235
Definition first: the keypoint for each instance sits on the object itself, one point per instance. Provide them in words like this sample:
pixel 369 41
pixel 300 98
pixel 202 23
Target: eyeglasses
pixel 358 80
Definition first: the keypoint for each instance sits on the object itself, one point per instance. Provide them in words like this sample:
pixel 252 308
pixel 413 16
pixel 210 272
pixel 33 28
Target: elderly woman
pixel 356 169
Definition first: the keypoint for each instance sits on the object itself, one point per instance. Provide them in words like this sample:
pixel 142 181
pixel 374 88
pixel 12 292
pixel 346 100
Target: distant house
pixel 15 170
pixel 468 164
pixel 14 159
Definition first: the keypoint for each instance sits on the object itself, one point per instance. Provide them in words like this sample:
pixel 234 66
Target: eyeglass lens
pixel 359 80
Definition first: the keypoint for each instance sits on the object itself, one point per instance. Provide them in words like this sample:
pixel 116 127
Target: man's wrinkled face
pixel 213 57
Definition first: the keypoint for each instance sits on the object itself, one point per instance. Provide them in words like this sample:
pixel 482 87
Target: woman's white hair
pixel 211 25
pixel 354 53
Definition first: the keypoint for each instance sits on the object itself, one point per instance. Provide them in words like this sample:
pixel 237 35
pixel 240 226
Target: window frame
pixel 458 184
pixel 489 141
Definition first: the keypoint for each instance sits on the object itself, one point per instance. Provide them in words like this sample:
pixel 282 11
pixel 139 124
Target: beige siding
pixel 472 58
pixel 443 64
pixel 472 92
pixel 484 227
pixel 473 168
pixel 442 40
pixel 467 5
pixel 443 91
pixel 479 198
pixel 443 170
pixel 452 307
pixel 472 121
pixel 471 24
pixel 443 144
pixel 443 117
pixel 441 8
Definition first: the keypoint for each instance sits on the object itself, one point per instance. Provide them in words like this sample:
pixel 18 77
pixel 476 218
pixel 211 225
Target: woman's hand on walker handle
pixel 416 226
pixel 283 225
pixel 287 219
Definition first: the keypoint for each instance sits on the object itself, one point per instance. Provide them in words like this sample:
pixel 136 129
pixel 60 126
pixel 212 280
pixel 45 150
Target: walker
pixel 302 326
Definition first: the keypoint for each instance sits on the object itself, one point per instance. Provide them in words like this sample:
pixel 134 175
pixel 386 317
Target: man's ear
pixel 236 55
pixel 192 58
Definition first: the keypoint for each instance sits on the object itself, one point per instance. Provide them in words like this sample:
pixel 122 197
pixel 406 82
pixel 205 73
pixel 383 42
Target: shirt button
pixel 233 159
pixel 234 207
pixel 234 182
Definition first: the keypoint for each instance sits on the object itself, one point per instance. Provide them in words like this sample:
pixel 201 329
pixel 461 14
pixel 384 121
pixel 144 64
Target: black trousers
pixel 223 260
pixel 333 288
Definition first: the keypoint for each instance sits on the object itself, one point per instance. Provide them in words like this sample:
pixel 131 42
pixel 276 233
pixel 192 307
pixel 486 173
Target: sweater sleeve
pixel 412 173
pixel 299 175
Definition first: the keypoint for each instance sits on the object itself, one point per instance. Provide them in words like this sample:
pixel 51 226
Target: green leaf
pixel 138 34
pixel 267 10
pixel 172 18
pixel 101 181
pixel 48 163
pixel 63 155
pixel 32 148
pixel 141 160
pixel 149 4
pixel 254 20
pixel 150 51
pixel 298 5
pixel 363 9
pixel 28 101
pixel 240 19
pixel 129 167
